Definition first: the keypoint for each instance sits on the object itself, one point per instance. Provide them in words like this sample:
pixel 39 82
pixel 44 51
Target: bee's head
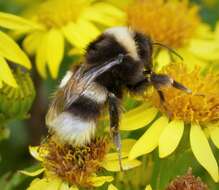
pixel 120 40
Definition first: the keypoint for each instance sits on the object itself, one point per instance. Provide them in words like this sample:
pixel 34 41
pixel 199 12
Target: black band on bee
pixel 85 108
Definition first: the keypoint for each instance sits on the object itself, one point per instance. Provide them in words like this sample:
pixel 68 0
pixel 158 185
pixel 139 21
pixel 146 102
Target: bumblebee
pixel 119 59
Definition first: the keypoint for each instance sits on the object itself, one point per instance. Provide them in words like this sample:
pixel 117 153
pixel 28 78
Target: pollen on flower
pixel 56 13
pixel 73 164
pixel 168 22
pixel 187 182
pixel 201 106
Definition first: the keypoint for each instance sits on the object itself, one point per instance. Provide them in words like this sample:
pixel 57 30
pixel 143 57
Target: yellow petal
pixel 55 51
pixel 148 187
pixel 104 14
pixel 127 144
pixel 214 134
pixel 77 51
pixel 114 166
pixel 6 74
pixel 37 184
pixel 11 51
pixel 77 35
pixel 112 187
pixel 198 47
pixel 149 140
pixel 137 118
pixel 32 41
pixel 35 173
pixel 34 151
pixel 41 56
pixel 163 59
pixel 204 31
pixel 64 186
pixel 126 147
pixel 54 184
pixel 114 156
pixel 88 26
pixel 170 138
pixel 73 35
pixel 202 151
pixel 190 59
pixel 45 184
pixel 11 21
pixel 98 181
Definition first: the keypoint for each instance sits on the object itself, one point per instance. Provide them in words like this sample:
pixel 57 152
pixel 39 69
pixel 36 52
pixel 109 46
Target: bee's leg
pixel 161 95
pixel 162 101
pixel 160 80
pixel 181 87
pixel 114 111
pixel 140 86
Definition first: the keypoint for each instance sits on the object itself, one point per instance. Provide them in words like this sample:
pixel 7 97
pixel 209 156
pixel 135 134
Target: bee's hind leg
pixel 114 111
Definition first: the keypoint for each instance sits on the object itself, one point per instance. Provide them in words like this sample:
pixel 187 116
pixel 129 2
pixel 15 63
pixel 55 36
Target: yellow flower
pixel 10 51
pixel 199 111
pixel 75 21
pixel 73 167
pixel 177 25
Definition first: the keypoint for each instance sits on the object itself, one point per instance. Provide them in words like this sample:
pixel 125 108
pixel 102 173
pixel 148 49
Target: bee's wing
pixel 74 87
pixel 82 78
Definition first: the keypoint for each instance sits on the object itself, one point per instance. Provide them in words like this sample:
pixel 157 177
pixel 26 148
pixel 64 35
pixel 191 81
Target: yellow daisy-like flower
pixel 199 110
pixel 177 25
pixel 73 167
pixel 75 21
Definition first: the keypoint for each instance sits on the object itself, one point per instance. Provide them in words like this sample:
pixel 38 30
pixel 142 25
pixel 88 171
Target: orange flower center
pixel 73 164
pixel 168 22
pixel 201 106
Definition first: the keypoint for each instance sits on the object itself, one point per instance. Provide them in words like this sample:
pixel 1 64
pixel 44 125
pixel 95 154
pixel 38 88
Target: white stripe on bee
pixel 72 129
pixel 96 93
pixel 123 35
pixel 65 79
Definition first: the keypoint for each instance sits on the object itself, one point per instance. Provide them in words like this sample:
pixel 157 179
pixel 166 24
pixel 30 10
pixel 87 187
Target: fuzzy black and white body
pixel 118 59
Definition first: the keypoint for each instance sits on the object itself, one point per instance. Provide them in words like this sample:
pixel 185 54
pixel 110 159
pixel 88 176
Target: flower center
pixel 187 182
pixel 73 164
pixel 167 22
pixel 56 13
pixel 201 106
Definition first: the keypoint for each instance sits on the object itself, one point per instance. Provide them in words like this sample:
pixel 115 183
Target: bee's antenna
pixel 170 49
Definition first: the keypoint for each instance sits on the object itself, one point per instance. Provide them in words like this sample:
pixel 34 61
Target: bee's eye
pixel 92 47
pixel 95 45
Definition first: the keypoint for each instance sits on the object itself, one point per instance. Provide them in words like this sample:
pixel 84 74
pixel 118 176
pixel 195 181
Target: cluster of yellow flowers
pixel 59 26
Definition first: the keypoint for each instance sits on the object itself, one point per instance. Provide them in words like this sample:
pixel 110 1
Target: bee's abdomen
pixel 89 105
pixel 77 124
pixel 85 108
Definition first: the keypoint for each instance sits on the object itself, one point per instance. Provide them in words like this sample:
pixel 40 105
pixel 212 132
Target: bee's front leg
pixel 114 111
